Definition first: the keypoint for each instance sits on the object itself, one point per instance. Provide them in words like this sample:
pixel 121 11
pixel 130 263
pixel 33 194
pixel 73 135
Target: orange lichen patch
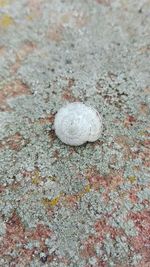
pixel 22 53
pixel 73 199
pixel 6 21
pixel 51 203
pixel 54 201
pixel 33 176
pixel 14 142
pixel 36 178
pixel 132 179
pixel 87 189
pixel 16 88
pixel 80 194
pixel 70 200
pixel 36 181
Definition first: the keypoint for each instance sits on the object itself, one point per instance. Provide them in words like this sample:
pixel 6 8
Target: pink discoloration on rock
pixel 81 20
pixel 14 142
pixel 40 233
pixel 2 50
pixel 14 89
pixel 104 2
pixel 47 120
pixel 129 121
pixel 102 228
pixel 14 234
pixel 144 108
pixel 55 33
pixel 89 249
pixel 26 49
pixel 96 181
pixel 35 8
pixel 17 234
pixel 141 242
pixel 133 195
pixel 67 92
pixel 78 38
pixel 2 188
pixel 124 142
pixel 109 182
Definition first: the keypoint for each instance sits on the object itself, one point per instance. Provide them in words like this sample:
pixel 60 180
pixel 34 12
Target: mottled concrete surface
pixel 64 206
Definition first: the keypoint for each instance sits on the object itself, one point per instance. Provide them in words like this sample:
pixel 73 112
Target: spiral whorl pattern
pixel 77 123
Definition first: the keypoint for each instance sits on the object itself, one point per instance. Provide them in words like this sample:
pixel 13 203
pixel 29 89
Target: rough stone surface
pixel 64 206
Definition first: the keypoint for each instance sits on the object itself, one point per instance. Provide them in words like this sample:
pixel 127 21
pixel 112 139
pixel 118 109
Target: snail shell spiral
pixel 77 123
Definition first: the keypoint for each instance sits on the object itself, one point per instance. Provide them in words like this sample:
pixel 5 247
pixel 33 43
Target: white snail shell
pixel 77 123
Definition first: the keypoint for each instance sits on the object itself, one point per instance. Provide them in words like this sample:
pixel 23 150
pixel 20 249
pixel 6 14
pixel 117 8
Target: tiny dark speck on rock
pixel 68 61
pixel 140 10
pixel 43 259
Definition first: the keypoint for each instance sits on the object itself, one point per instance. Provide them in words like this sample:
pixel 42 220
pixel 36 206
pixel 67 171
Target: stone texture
pixel 74 206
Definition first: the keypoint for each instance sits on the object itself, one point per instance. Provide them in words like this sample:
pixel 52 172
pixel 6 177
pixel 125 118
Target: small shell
pixel 77 123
